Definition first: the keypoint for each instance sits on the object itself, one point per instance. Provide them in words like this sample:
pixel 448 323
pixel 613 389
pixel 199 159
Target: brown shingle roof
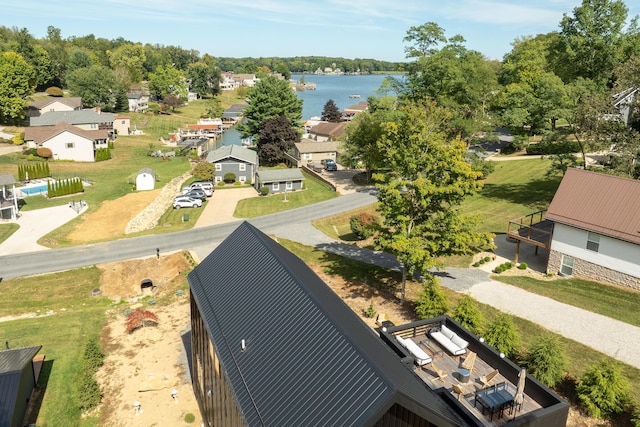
pixel 329 129
pixel 597 202
pixel 311 146
pixel 40 134
pixel 72 101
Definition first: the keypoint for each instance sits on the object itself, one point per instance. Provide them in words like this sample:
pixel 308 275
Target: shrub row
pixel 545 148
pixel 89 389
pixel 64 187
pixel 33 171
pixel 102 154
pixel 503 267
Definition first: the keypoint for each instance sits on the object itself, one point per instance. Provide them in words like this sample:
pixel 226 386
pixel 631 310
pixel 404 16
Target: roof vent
pixel 243 345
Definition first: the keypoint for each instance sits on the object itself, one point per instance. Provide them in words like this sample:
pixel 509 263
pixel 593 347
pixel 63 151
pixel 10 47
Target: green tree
pixel 167 80
pixel 276 137
pixel 501 334
pixel 204 171
pixel 127 61
pixel 17 81
pixel 96 85
pixel 591 40
pixel 270 98
pixel 79 58
pixel 214 108
pixel 468 314
pixel 331 113
pixel 419 198
pixel 432 301
pixel 603 389
pixel 546 360
pixel 205 78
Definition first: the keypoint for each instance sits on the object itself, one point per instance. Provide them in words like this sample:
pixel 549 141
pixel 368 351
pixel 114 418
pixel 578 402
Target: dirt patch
pixel 112 217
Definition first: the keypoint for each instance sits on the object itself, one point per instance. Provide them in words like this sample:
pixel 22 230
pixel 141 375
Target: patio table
pixel 494 399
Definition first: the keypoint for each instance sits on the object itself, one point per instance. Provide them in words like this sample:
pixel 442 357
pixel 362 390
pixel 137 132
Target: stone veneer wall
pixel 148 218
pixel 587 270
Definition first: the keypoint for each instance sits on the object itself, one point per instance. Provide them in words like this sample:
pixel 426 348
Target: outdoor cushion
pixel 450 341
pixel 420 357
pixel 447 332
pixel 459 342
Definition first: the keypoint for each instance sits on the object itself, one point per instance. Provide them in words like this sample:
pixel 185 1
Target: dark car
pixel 330 165
pixel 196 194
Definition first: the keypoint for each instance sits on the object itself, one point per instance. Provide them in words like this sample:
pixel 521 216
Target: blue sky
pixel 339 28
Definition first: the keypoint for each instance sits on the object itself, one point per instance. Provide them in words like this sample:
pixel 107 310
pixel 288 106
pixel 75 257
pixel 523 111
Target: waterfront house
pixel 67 142
pixel 240 161
pixel 327 131
pixel 308 151
pixel 280 180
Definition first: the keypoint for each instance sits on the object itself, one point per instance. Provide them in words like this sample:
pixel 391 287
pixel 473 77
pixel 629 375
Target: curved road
pixel 201 240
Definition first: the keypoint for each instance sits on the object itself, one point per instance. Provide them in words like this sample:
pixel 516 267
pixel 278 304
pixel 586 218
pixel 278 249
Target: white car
pixel 186 202
pixel 207 189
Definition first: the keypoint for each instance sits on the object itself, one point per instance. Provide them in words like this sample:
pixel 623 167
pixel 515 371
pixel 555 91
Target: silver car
pixel 186 202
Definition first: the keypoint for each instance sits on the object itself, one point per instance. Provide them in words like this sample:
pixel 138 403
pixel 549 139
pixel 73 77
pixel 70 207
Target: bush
pixel 204 171
pixel 264 190
pixel 523 266
pixel 189 418
pixel 363 225
pixel 431 301
pixel 503 267
pixel 221 184
pixel 468 314
pixel 371 311
pixel 229 177
pixel 487 259
pixel 546 360
pixel 237 183
pixel 54 91
pixel 18 138
pixel 502 335
pixel 89 389
pixel 603 389
pixel 549 147
pixel 476 264
pixel 44 152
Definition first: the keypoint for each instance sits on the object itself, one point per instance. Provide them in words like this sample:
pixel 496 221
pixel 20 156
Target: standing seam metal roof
pixel 605 204
pixel 309 360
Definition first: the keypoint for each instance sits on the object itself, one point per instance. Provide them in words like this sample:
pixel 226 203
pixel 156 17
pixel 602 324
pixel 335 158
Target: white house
pixel 138 103
pixel 50 104
pixel 309 151
pixel 596 228
pixel 67 142
pixel 146 179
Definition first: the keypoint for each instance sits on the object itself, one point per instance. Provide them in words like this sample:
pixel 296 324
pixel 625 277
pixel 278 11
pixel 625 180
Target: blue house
pixel 242 162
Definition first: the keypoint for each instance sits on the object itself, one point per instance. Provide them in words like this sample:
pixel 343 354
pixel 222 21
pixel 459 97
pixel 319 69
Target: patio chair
pixel 486 380
pixel 469 361
pixel 441 374
pixel 458 389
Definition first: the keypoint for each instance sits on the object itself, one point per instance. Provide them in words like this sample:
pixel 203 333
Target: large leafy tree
pixel 205 78
pixel 167 80
pixel 276 137
pixel 420 196
pixel 96 85
pixel 270 98
pixel 17 81
pixel 127 60
pixel 330 112
pixel 592 40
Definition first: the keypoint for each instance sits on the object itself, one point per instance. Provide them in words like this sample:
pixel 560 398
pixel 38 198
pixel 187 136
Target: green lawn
pixel 6 230
pixel 314 191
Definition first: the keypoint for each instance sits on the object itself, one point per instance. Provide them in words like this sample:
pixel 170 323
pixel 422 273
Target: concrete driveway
pixel 220 206
pixel 343 179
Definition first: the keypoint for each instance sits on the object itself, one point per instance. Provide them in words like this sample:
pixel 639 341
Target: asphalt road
pixel 201 240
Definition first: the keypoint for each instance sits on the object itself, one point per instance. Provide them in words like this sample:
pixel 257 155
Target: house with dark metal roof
pixel 89 119
pixel 18 378
pixel 273 345
pixel 280 180
pixel 596 228
pixel 240 161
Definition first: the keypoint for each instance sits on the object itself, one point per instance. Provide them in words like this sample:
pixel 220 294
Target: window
pixel 307 156
pixel 275 186
pixel 593 242
pixel 218 178
pixel 69 145
pixel 218 167
pixel 243 167
pixel 289 185
pixel 243 179
pixel 566 267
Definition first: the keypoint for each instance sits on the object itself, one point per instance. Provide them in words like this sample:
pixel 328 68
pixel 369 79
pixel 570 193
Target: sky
pixel 288 28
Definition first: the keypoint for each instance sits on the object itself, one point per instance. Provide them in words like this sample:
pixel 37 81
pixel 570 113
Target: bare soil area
pixel 111 219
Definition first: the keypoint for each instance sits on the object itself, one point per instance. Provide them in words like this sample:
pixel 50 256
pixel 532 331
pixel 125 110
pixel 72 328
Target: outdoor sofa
pixel 419 355
pixel 449 340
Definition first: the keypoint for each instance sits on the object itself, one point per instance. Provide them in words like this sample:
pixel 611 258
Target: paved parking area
pixel 220 206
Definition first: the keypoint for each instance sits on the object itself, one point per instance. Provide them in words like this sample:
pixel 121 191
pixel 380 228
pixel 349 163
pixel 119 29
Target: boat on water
pixel 354 96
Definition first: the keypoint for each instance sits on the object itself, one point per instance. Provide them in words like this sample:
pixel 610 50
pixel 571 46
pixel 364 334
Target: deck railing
pixel 524 228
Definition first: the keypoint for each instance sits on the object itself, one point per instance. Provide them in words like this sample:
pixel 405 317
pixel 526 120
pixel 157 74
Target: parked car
pixel 196 194
pixel 206 186
pixel 207 191
pixel 330 165
pixel 186 202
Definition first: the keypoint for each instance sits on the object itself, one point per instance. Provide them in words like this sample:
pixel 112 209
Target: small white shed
pixel 146 179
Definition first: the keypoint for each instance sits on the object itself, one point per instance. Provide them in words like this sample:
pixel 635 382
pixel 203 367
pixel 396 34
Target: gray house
pixel 280 180
pixel 18 378
pixel 242 162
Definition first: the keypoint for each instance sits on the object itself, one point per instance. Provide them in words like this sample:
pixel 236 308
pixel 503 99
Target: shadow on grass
pixel 35 404
pixel 533 194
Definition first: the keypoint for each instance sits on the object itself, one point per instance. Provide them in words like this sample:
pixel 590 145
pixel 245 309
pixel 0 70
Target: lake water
pixel 336 87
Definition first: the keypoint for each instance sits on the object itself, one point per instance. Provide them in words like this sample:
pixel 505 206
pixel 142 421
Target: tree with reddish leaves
pixel 140 318
pixel 276 137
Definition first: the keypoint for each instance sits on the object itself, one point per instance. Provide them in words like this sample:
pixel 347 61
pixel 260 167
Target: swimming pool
pixel 30 191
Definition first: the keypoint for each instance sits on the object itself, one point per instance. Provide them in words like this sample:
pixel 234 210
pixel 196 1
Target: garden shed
pixel 146 179
pixel 18 378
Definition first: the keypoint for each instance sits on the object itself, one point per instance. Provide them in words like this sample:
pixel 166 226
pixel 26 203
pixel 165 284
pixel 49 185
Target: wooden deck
pixel 533 229
pixel 451 364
